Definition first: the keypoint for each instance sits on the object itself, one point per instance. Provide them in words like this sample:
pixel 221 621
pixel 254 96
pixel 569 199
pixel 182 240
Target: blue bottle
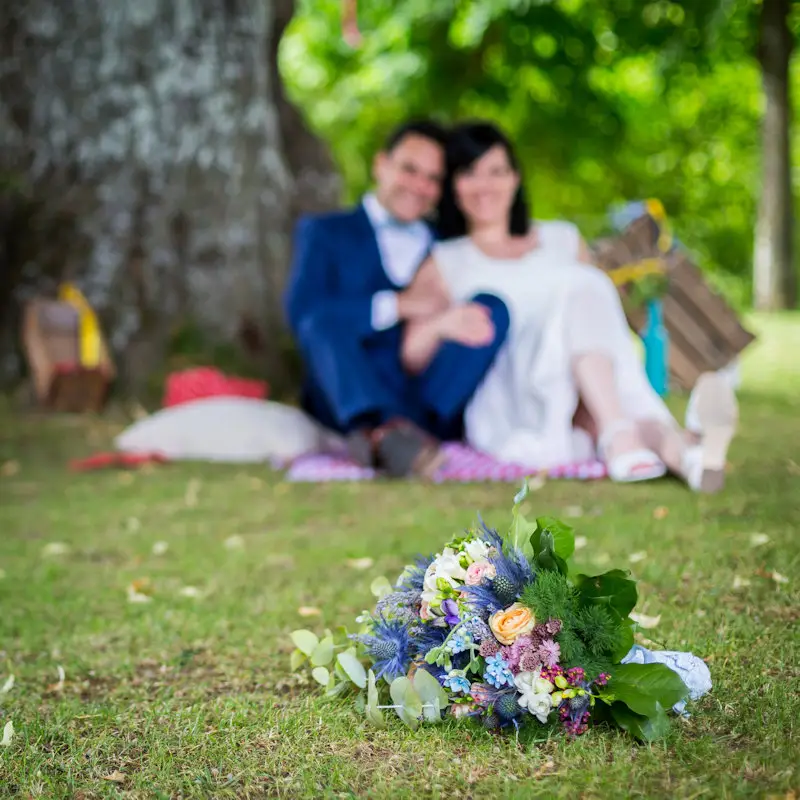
pixel 656 348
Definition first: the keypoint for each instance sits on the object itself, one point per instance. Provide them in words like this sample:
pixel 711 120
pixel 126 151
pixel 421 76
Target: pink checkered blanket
pixel 461 465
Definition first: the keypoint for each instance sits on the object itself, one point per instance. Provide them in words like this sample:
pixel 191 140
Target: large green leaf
pixel 563 535
pixel 407 702
pixel 645 688
pixel 614 589
pixel 305 641
pixel 374 714
pixel 645 728
pixel 544 551
pixel 353 667
pixel 434 698
pixel 625 641
pixel 323 653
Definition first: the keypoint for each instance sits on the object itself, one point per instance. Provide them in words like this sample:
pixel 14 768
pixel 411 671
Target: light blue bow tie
pixel 393 224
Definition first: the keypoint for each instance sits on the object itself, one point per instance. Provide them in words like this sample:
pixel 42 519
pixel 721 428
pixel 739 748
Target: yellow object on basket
pixel 89 338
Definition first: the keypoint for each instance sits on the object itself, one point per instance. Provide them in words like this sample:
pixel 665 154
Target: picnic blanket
pixel 462 465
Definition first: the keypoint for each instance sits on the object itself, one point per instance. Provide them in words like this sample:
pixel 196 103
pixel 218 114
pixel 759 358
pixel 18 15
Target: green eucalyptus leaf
pixel 296 659
pixel 323 653
pixel 321 675
pixel 353 667
pixel 409 706
pixel 431 693
pixel 374 714
pixel 305 641
pixel 380 587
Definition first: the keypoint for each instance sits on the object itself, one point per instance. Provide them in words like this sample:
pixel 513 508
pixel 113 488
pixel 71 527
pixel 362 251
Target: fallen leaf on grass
pixel 9 469
pixel 635 558
pixel 773 575
pixel 115 777
pixel 57 687
pixel 360 563
pixel 645 621
pixel 8 685
pixel 660 512
pixel 192 493
pixel 757 539
pixel 580 542
pixel 601 558
pixel 234 542
pixel 546 769
pixel 190 591
pixel 309 611
pixel 8 734
pixel 739 582
pixel 55 549
pixel 138 591
pixel 573 512
pixel 159 548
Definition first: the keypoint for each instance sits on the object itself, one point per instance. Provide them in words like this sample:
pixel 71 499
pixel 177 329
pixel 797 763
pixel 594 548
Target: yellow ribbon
pixel 628 273
pixel 89 337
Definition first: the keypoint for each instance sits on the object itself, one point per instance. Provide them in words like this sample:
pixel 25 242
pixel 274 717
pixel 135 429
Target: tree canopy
pixel 608 100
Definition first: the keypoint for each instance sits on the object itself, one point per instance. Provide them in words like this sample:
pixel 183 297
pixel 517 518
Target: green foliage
pixel 607 101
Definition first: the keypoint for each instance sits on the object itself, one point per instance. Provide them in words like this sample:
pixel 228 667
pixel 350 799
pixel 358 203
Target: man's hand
pixel 416 304
pixel 469 324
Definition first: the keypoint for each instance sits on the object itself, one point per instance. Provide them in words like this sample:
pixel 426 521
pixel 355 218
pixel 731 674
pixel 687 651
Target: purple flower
pixel 549 652
pixel 450 608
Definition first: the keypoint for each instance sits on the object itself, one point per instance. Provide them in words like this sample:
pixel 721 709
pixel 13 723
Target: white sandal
pixel 717 413
pixel 633 466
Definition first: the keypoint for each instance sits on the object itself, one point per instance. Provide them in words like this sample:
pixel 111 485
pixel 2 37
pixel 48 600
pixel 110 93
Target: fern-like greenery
pixel 589 633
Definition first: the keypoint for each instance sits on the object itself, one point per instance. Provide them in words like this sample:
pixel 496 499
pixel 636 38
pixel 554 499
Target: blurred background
pixel 159 153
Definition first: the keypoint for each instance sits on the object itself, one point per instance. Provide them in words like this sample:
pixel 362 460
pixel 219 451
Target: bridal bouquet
pixel 492 628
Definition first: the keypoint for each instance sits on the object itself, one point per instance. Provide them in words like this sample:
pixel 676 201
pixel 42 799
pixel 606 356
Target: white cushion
pixel 228 429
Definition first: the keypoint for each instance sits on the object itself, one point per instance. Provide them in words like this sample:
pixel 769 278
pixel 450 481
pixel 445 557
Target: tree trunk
pixel 161 127
pixel 774 274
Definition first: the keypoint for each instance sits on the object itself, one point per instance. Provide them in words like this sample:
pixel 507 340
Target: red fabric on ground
pixel 202 382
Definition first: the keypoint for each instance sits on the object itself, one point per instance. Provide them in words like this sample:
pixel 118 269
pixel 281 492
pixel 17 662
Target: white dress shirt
pixel 402 247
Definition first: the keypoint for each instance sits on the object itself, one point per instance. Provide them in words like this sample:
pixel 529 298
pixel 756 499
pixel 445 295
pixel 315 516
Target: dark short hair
pixel 426 128
pixel 466 144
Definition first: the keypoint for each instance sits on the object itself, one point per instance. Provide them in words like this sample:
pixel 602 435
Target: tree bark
pixel 162 128
pixel 774 273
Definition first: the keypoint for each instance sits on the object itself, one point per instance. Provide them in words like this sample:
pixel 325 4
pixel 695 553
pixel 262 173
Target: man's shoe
pixel 403 450
pixel 359 447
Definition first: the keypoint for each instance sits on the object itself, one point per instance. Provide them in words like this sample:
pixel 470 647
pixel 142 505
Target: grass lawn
pixel 190 694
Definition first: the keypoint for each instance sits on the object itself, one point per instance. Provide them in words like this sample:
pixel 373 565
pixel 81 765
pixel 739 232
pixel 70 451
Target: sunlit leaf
pixel 305 641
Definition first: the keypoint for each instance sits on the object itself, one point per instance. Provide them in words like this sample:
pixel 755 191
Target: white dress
pixel 559 307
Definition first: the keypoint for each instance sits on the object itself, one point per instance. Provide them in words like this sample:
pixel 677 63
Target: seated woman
pixel 569 343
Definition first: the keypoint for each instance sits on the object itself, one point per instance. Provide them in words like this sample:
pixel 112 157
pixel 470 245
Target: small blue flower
pixel 497 673
pixel 459 643
pixel 456 681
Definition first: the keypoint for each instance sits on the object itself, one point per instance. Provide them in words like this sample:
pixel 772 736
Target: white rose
pixel 476 549
pixel 524 681
pixel 539 706
pixel 429 588
pixel 448 566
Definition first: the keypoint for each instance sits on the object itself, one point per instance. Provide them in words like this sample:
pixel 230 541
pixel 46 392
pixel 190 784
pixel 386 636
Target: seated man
pixel 346 303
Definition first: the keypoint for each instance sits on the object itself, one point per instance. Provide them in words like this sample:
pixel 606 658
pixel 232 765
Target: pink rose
pixel 477 571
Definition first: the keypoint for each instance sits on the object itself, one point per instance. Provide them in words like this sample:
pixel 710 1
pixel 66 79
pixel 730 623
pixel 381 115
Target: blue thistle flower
pixel 514 572
pixel 413 579
pixel 425 637
pixel 400 605
pixel 388 646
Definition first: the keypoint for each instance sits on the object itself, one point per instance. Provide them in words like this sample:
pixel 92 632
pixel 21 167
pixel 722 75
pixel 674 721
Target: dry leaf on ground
pixel 8 734
pixel 8 685
pixel 55 549
pixel 192 494
pixel 635 558
pixel 9 469
pixel 115 777
pixel 660 512
pixel 190 591
pixel 580 542
pixel 360 563
pixel 757 539
pixel 645 621
pixel 739 582
pixel 309 611
pixel 235 542
pixel 573 512
pixel 159 548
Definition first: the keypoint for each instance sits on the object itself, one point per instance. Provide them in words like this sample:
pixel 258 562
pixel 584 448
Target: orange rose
pixel 509 625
